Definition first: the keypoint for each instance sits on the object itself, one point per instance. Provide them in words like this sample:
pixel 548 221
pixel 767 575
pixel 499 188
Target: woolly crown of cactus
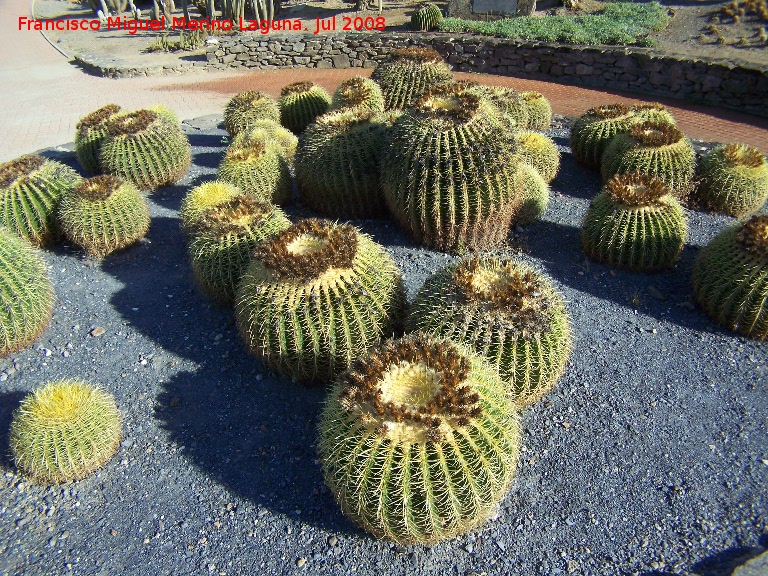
pixel 635 189
pixel 656 134
pixel 98 117
pixel 415 54
pixel 743 155
pixel 15 170
pixel 753 236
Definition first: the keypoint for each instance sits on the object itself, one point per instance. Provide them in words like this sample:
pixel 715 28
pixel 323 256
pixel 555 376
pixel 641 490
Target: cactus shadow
pixel 725 562
pixel 575 180
pixel 9 401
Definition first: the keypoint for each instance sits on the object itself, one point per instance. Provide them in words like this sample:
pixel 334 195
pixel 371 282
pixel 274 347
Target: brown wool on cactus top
pixel 753 235
pixel 16 169
pixel 98 187
pixel 531 96
pixel 132 123
pixel 743 155
pixel 656 134
pixel 609 111
pixel 233 216
pixel 249 97
pixel 251 150
pixel 649 106
pixel 98 117
pixel 343 119
pixel 297 88
pixel 307 249
pixel 636 189
pixel 423 55
pixel 355 91
pixel 450 102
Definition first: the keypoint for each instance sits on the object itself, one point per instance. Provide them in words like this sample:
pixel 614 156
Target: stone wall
pixel 740 86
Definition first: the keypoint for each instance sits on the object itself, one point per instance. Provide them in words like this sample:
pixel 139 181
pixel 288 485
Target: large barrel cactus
pixel 734 180
pixel 145 148
pixel 90 132
pixel 634 223
pixel 26 294
pixel 418 441
pixel 103 214
pixel 270 132
pixel 449 171
pixel 506 311
pixel 315 297
pixel 245 108
pixel 300 103
pixel 595 128
pixel 223 239
pixel 259 169
pixel 30 190
pixel 730 278
pixel 539 151
pixel 509 102
pixel 539 111
pixel 201 198
pixel 408 74
pixel 358 92
pixel 534 195
pixel 427 16
pixel 65 431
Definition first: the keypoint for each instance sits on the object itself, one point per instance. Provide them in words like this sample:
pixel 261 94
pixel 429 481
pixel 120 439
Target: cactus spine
pixel 595 128
pixel 271 133
pixel 734 180
pixel 257 169
pixel 534 195
pixel 201 198
pixel 539 111
pixel 358 92
pixel 90 133
pixel 418 442
pixel 244 109
pixel 408 74
pixel 539 151
pixel 427 16
pixel 300 103
pixel 653 111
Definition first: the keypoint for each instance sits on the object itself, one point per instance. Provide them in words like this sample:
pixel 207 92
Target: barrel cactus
pixel 245 108
pixel 449 171
pixel 358 92
pixel 300 103
pixel 167 113
pixel 223 239
pixel 730 278
pixel 103 214
pixel 270 132
pixel 418 441
pixel 635 223
pixel 145 148
pixel 65 431
pixel 201 198
pixel 408 74
pixel 539 151
pixel 258 169
pixel 427 16
pixel 539 111
pixel 509 102
pixel 26 294
pixel 315 297
pixel 90 132
pixel 653 111
pixel 595 128
pixel 734 180
pixel 534 195
pixel 655 149
pixel 30 190
pixel 507 312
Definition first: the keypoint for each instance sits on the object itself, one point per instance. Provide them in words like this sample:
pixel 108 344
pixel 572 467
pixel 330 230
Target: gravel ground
pixel 650 457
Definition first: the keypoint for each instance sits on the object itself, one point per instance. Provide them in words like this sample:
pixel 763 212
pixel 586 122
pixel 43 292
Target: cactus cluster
pixel 90 132
pixel 594 129
pixel 258 169
pixel 65 431
pixel 201 198
pixel 244 109
pixel 358 92
pixel 418 441
pixel 315 297
pixel 30 190
pixel 300 103
pixel 427 16
pixel 103 214
pixel 635 223
pixel 730 278
pixel 408 74
pixel 734 180
pixel 539 111
pixel 540 152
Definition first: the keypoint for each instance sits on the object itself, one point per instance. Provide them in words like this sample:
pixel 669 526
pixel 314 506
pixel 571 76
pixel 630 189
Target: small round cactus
pixel 427 16
pixel 418 441
pixel 539 111
pixel 507 312
pixel 315 297
pixel 734 180
pixel 595 128
pixel 258 169
pixel 104 214
pixel 30 190
pixel 223 239
pixel 272 133
pixel 65 431
pixel 653 111
pixel 26 294
pixel 300 103
pixel 730 278
pixel 655 149
pixel 510 103
pixel 535 195
pixel 358 92
pixel 145 148
pixel 449 171
pixel 201 198
pixel 90 132
pixel 408 74
pixel 539 151
pixel 635 223
pixel 244 109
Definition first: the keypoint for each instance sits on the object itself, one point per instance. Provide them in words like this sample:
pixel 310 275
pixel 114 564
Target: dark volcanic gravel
pixel 650 457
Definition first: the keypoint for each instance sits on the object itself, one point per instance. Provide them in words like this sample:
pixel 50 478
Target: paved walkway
pixel 42 96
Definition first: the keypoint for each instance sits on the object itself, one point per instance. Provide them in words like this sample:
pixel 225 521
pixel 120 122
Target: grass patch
pixel 617 23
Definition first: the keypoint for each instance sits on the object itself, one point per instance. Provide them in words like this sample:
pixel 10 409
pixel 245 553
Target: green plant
pixel 30 189
pixel 201 198
pixel 103 214
pixel 358 92
pixel 418 441
pixel 507 312
pixel 26 294
pixel 300 103
pixel 409 73
pixel 427 16
pixel 734 180
pixel 145 148
pixel 257 169
pixel 65 431
pixel 338 164
pixel 595 128
pixel 539 111
pixel 730 278
pixel 167 113
pixel 450 171
pixel 539 151
pixel 90 132
pixel 223 239
pixel 315 297
pixel 244 109
pixel 534 195
pixel 635 223
pixel 270 132
pixel 655 149
pixel 188 41
pixel 510 103
pixel 653 111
